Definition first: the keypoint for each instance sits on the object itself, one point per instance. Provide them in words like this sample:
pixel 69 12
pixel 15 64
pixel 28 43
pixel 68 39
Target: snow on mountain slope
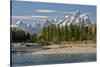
pixel 32 28
pixel 77 18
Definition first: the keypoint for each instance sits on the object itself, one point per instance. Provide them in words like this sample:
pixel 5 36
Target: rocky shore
pixel 35 49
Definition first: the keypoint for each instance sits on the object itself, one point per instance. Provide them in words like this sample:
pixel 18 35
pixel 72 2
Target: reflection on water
pixel 23 60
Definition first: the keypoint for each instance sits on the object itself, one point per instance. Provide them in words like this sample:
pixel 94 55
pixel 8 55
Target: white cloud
pixel 68 12
pixel 44 11
pixel 40 17
pixel 30 17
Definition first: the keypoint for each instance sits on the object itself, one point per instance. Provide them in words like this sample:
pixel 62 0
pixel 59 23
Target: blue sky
pixel 39 11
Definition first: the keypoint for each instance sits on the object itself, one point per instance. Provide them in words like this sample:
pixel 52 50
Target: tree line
pixel 18 35
pixel 55 34
pixel 59 33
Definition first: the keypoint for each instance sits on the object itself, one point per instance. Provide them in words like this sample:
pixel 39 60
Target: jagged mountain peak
pixel 32 28
pixel 76 18
pixel 19 22
pixel 67 16
pixel 77 12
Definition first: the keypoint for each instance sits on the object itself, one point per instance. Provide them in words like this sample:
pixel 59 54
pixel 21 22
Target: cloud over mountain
pixel 44 11
pixel 30 17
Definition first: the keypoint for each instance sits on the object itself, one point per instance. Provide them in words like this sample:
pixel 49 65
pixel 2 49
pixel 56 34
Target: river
pixel 35 59
pixel 25 60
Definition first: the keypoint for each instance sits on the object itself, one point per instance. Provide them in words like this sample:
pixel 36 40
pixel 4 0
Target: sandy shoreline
pixel 68 50
pixel 89 48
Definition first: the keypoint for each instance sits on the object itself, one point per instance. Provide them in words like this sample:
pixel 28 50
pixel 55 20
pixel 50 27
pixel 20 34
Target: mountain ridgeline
pixel 77 27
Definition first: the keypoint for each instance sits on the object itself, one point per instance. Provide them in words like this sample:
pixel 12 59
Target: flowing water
pixel 24 60
pixel 31 59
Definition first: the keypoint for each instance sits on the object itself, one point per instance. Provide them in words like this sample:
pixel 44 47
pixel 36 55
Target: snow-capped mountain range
pixel 32 28
pixel 77 18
